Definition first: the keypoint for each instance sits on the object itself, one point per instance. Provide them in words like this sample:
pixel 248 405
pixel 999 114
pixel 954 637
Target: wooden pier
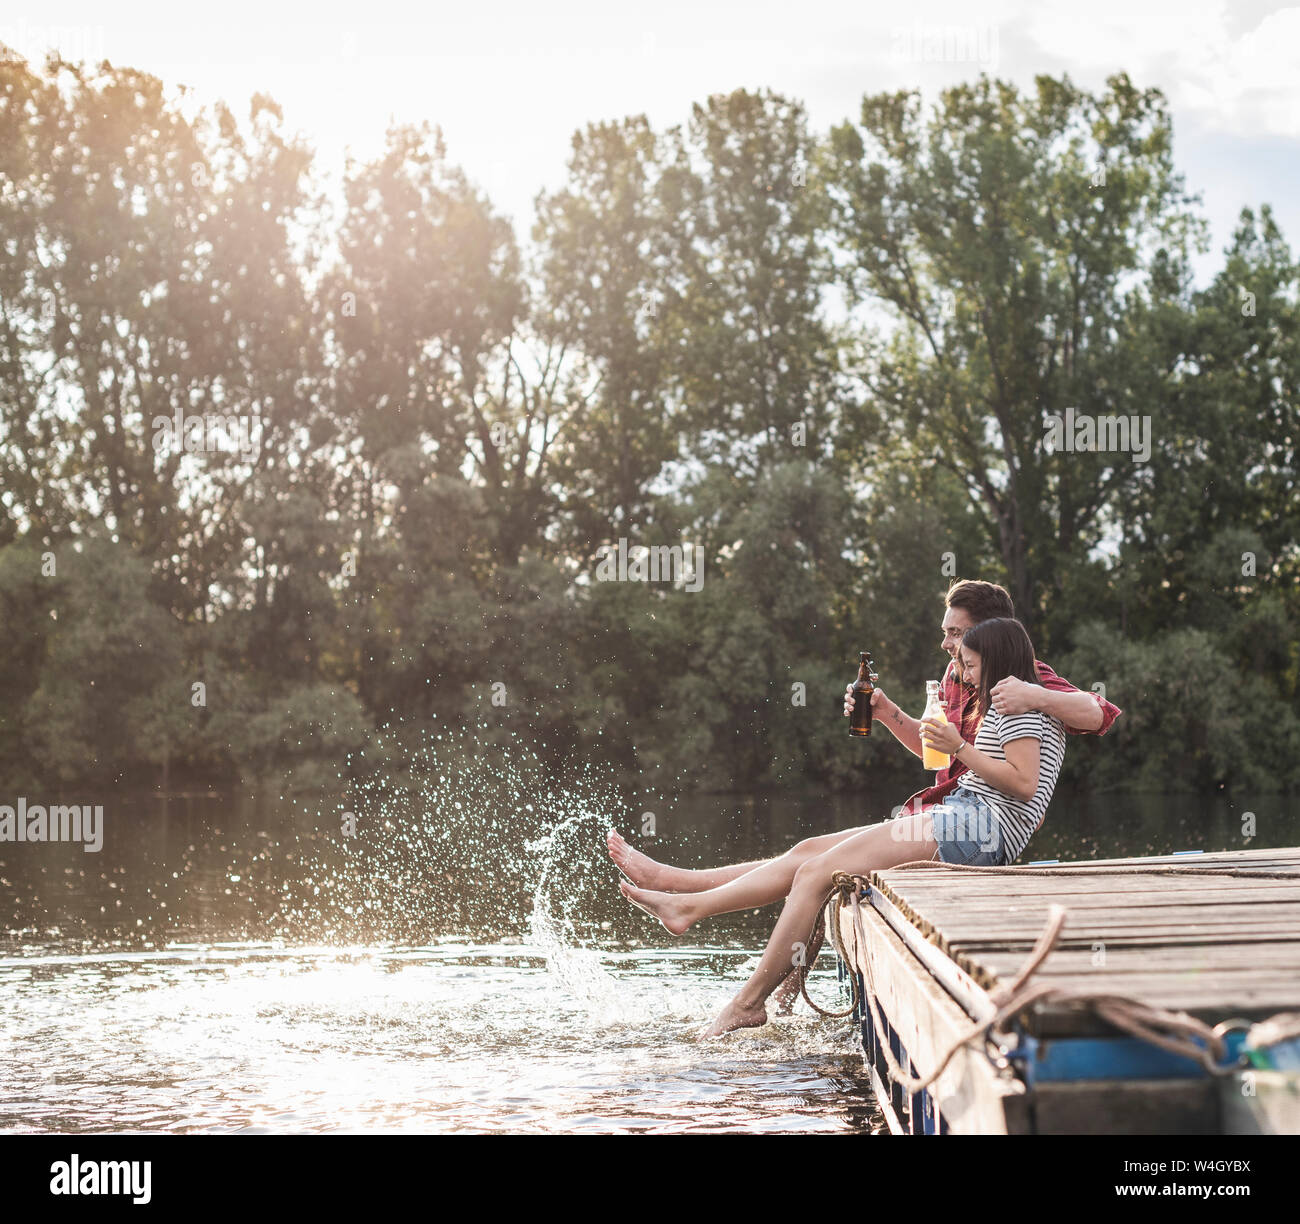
pixel 935 945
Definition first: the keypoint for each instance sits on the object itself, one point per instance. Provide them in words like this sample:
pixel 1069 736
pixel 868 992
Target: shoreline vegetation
pixel 278 475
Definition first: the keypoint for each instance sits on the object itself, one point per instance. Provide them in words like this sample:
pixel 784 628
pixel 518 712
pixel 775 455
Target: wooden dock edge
pixel 1261 1103
pixel 973 1096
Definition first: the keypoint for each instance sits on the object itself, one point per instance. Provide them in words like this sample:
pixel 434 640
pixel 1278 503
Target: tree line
pixel 283 464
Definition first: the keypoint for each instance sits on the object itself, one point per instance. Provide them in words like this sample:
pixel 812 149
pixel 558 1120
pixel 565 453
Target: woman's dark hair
pixel 1005 650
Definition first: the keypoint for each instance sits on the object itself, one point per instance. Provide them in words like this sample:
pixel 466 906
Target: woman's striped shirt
pixel 1017 819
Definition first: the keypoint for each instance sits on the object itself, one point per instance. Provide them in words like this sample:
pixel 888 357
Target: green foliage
pixel 110 650
pixel 1194 719
pixel 450 428
pixel 301 739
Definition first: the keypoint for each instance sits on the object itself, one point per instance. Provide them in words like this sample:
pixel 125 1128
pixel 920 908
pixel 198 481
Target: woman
pixel 1012 769
pixel 1013 764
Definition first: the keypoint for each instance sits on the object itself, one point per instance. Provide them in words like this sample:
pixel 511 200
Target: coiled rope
pixel 1172 1031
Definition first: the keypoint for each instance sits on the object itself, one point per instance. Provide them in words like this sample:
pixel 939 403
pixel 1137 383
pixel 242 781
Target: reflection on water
pixel 464 962
pixel 449 1037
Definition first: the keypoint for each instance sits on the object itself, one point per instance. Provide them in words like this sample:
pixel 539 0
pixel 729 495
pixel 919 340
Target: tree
pixel 1009 235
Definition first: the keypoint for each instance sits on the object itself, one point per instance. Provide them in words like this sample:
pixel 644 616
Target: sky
pixel 509 83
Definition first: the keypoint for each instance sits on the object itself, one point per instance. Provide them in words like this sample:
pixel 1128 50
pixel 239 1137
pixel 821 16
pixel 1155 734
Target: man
pixel 967 604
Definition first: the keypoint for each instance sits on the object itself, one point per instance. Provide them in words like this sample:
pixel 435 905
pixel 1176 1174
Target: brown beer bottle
pixel 860 719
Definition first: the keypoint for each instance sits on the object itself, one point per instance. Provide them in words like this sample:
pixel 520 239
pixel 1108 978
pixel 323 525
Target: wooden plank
pixel 1287 854
pixel 1165 866
pixel 1137 974
pixel 1270 890
pixel 1279 916
pixel 1019 951
pixel 1155 961
pixel 1143 980
pixel 1012 884
pixel 1083 875
pixel 1212 917
pixel 949 913
pixel 978 965
pixel 1281 921
pixel 1202 984
pixel 1078 931
pixel 1028 886
pixel 1166 934
pixel 1199 987
pixel 1195 991
pixel 970 1093
pixel 1161 894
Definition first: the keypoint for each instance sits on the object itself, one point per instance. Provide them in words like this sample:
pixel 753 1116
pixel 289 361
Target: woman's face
pixel 970 666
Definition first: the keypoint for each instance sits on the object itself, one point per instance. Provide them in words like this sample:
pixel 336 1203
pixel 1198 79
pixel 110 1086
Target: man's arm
pixel 1077 710
pixel 905 729
pixel 1082 713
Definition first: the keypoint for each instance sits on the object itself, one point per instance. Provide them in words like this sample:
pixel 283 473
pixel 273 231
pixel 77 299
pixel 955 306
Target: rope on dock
pixel 838 944
pixel 1172 1031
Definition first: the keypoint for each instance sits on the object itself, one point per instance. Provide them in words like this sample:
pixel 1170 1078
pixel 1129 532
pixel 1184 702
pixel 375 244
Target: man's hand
pixel 1012 696
pixel 879 703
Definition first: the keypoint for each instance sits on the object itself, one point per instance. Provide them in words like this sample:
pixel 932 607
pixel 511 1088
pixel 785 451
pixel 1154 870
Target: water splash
pixel 452 838
pixel 574 964
pixel 463 840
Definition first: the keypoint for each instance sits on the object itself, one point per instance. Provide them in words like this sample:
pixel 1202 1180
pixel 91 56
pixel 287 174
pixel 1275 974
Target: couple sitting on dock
pixel 1007 713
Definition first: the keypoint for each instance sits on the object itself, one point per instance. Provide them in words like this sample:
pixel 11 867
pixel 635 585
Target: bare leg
pixel 788 991
pixel 645 872
pixel 885 845
pixel 768 882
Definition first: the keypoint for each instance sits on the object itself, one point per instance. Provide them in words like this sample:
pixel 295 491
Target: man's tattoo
pixel 898 718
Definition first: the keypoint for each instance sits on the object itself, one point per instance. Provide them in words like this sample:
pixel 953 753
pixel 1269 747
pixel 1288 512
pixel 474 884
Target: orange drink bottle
pixel 931 758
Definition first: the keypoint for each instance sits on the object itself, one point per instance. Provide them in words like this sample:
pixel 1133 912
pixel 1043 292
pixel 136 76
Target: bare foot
pixel 669 908
pixel 640 868
pixel 734 1016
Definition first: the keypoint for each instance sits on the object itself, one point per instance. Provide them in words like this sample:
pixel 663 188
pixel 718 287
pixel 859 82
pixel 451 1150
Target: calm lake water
pixel 460 961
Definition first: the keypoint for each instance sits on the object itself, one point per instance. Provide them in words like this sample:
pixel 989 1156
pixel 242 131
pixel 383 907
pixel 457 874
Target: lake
pixel 456 959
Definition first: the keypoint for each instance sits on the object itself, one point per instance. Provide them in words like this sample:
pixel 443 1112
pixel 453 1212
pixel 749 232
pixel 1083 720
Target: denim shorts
pixel 967 831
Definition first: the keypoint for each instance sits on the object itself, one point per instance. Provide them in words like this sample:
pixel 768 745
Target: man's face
pixel 955 623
